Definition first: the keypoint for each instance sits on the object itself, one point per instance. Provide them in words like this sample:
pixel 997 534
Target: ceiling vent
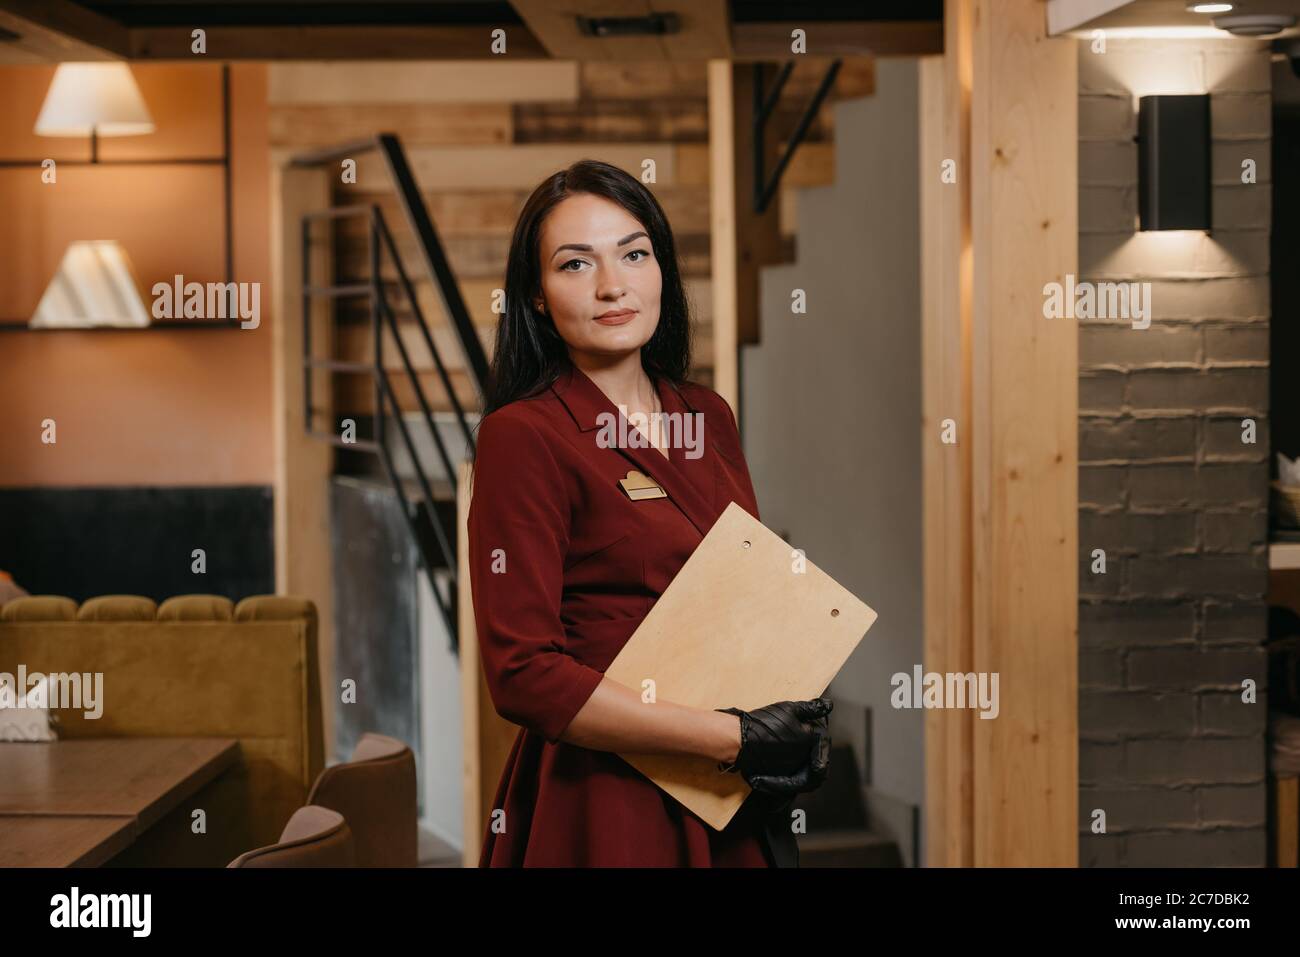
pixel 650 25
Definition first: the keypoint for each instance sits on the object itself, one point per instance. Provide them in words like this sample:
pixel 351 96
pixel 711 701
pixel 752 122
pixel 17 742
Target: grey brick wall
pixel 1166 486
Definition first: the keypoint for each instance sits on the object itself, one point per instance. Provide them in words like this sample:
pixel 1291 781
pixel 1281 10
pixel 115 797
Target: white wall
pixel 441 723
pixel 831 405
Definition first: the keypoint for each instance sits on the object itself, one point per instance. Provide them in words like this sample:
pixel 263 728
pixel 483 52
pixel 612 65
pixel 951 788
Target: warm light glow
pixel 94 286
pixel 1211 7
pixel 1161 254
pixel 98 97
pixel 1188 237
pixel 1156 33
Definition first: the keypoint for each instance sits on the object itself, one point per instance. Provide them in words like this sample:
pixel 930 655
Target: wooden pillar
pixel 1001 504
pixel 740 241
pixel 946 401
pixel 476 795
pixel 302 465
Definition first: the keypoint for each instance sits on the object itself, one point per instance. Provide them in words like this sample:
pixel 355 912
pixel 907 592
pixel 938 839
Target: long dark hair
pixel 529 352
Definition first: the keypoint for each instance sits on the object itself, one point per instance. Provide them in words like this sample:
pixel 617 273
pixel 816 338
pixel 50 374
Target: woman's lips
pixel 617 318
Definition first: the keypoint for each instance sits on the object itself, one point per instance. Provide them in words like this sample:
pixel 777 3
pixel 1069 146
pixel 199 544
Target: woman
pixel 565 561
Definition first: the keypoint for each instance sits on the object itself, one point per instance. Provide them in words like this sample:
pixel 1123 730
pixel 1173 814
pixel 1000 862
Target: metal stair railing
pixel 437 548
pixel 764 104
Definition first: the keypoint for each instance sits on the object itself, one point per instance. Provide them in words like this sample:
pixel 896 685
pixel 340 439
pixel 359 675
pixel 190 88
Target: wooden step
pixel 356 393
pixel 846 847
pixel 650 80
pixel 838 803
pixel 522 166
pixel 493 212
pixel 440 487
pixel 839 822
pixel 484 257
pixel 471 214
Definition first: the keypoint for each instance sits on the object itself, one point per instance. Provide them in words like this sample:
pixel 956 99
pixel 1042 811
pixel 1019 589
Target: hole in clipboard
pixel 835 613
pixel 744 544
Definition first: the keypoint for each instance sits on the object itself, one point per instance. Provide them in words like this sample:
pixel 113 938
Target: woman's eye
pixel 641 254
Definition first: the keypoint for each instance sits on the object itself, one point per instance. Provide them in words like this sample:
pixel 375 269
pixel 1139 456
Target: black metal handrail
pixel 764 104
pixel 432 253
pixel 435 258
pixel 380 243
pixel 391 247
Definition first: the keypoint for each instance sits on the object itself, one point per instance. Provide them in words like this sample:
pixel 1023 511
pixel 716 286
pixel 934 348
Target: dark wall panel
pixel 83 542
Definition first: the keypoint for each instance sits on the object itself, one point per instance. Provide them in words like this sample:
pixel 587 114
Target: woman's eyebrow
pixel 584 248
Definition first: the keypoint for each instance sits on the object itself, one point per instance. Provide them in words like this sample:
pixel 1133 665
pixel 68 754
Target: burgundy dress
pixel 564 566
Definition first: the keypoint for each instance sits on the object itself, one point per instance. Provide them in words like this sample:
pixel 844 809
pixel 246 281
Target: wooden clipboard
pixel 739 626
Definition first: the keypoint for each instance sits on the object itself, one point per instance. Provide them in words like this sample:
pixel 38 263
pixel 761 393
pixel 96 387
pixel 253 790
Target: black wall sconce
pixel 1174 162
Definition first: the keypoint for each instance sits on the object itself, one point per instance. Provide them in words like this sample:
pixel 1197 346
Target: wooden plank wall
pixel 1001 505
pixel 1024 369
pixel 482 135
pixel 946 468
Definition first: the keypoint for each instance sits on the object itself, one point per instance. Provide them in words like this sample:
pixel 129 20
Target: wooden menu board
pixel 739 626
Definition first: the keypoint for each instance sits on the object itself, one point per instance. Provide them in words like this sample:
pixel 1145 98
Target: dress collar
pixel 690 483
pixel 586 402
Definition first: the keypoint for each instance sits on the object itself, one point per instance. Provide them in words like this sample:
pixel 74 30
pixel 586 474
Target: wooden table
pixel 40 840
pixel 77 802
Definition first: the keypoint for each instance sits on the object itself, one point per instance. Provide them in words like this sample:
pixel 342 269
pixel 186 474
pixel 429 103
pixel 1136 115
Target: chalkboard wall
pixel 83 542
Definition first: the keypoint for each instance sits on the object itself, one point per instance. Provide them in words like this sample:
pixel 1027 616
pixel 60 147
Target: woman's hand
pixel 784 747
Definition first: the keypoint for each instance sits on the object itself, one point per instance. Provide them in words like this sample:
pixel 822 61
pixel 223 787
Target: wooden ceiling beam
pixel 704 32
pixel 53 31
pixel 59 30
pixel 772 40
pixel 336 43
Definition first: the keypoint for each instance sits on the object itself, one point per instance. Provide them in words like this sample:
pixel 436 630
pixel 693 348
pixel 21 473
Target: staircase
pixel 417 452
pixel 840 833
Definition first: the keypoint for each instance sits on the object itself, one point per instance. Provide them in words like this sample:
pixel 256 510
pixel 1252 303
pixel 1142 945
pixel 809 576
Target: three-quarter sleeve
pixel 518 528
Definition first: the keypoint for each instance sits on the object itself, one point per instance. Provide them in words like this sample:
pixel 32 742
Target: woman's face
pixel 597 260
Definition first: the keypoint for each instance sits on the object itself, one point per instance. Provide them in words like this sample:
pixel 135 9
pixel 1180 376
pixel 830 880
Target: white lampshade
pixel 95 286
pixel 93 97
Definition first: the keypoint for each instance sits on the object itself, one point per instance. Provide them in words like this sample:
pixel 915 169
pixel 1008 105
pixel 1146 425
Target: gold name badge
pixel 640 486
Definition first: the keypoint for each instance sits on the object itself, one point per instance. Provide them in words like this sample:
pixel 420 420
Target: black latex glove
pixel 784 747
pixel 772 804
